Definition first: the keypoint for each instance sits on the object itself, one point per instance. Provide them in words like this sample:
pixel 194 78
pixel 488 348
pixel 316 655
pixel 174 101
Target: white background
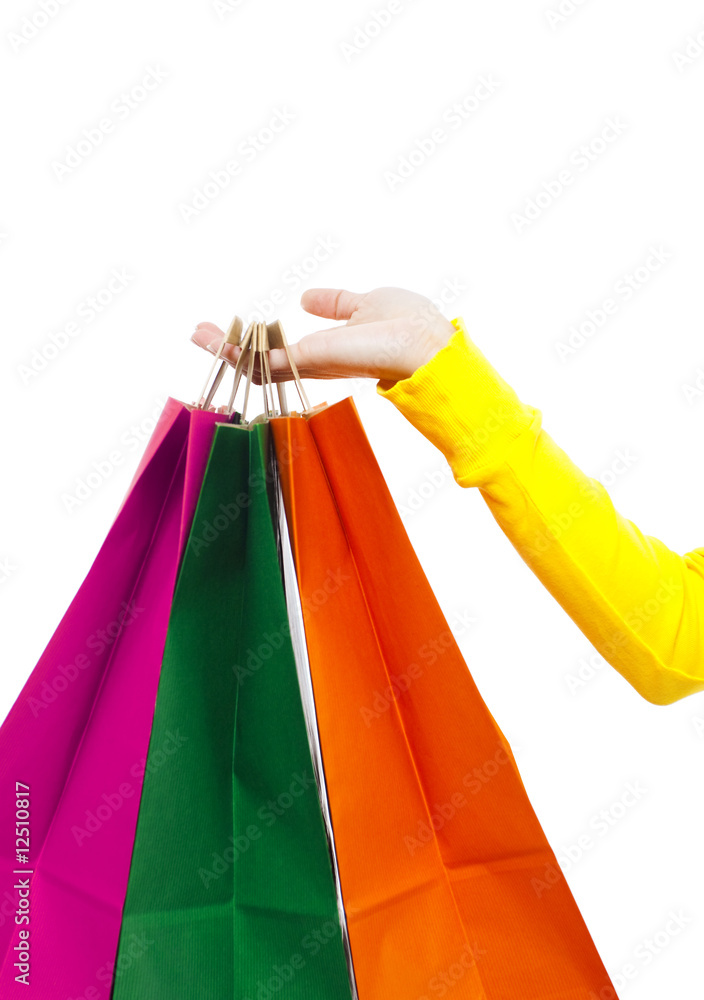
pixel 357 110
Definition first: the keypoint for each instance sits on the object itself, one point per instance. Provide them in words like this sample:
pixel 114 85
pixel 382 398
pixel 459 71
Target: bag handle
pixel 232 336
pixel 258 339
pixel 277 339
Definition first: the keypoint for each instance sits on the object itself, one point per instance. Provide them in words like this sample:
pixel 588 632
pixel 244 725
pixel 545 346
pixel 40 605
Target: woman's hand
pixel 388 334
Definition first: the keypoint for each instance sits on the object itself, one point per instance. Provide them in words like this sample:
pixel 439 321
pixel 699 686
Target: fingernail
pixel 197 338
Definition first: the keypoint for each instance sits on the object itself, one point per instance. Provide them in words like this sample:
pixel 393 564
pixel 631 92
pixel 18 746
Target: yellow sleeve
pixel 640 604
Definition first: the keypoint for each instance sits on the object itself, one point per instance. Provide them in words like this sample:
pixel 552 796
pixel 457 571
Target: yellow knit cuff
pixel 463 406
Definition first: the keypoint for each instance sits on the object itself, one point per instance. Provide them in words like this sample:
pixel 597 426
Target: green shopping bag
pixel 231 892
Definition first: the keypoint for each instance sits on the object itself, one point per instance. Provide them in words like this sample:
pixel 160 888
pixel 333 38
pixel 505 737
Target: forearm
pixel 639 603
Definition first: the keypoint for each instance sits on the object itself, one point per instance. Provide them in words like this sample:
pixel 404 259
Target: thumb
pixel 331 303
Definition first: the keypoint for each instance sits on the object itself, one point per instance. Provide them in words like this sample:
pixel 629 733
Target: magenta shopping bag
pixel 74 745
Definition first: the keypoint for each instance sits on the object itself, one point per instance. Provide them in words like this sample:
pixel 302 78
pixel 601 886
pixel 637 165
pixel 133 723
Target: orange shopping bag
pixel 442 859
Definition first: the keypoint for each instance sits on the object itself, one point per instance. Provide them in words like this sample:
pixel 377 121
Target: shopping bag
pixel 231 891
pixel 73 745
pixel 307 796
pixel 448 881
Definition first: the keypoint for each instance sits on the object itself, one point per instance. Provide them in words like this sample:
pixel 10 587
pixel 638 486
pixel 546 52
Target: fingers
pixel 209 336
pixel 357 350
pixel 316 355
pixel 211 328
pixel 280 368
pixel 331 303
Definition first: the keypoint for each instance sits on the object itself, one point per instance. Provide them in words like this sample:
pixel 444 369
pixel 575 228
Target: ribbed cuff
pixel 463 406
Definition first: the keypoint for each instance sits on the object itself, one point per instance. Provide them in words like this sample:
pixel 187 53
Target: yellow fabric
pixel 640 604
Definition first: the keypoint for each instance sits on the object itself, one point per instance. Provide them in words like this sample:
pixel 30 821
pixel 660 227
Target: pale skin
pixel 387 334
